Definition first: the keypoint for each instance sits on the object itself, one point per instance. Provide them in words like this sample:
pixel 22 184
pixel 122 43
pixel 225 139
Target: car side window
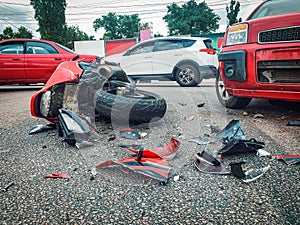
pixel 144 48
pixel 40 48
pixel 12 48
pixel 164 45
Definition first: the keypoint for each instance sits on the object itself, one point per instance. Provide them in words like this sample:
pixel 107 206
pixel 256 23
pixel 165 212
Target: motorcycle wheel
pixel 137 108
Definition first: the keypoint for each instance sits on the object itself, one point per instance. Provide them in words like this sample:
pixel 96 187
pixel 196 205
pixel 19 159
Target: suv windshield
pixel 276 7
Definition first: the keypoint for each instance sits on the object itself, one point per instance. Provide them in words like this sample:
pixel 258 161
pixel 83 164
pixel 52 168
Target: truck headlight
pixel 45 103
pixel 237 34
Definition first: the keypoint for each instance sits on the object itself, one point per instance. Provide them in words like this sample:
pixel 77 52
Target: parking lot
pixel 116 197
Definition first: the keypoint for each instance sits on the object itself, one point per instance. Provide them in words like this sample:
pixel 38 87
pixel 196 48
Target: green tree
pixel 118 26
pixel 73 33
pixel 232 12
pixel 50 15
pixel 7 33
pixel 22 32
pixel 191 18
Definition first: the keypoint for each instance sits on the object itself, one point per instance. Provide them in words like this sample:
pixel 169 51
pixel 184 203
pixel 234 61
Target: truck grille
pixel 279 35
pixel 285 71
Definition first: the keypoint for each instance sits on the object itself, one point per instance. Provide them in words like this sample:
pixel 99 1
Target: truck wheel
pixel 185 75
pixel 228 100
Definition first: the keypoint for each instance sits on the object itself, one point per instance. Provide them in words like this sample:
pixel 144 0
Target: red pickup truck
pixel 260 57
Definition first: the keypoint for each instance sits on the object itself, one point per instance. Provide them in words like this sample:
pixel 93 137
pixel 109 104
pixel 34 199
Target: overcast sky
pixel 16 13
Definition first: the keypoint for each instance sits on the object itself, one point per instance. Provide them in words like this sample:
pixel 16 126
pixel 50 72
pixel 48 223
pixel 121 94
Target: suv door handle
pixel 58 58
pixel 148 57
pixel 178 54
pixel 16 59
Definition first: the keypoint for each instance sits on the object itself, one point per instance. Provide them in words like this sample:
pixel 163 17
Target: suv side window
pixel 188 43
pixel 144 48
pixel 208 44
pixel 33 47
pixel 12 48
pixel 164 45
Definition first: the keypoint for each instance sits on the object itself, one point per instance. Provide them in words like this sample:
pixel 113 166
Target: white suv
pixel 185 59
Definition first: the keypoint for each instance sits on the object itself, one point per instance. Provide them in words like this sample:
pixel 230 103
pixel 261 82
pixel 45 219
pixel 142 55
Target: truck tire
pixel 228 100
pixel 140 107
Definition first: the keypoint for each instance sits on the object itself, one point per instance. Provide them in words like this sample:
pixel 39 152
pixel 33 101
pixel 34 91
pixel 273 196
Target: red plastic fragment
pixel 58 175
pixel 166 152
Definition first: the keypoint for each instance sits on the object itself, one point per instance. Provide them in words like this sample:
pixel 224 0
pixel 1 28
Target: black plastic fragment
pixel 236 145
pixel 237 170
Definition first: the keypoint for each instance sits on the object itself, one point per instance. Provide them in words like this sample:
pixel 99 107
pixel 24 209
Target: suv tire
pixel 228 100
pixel 185 75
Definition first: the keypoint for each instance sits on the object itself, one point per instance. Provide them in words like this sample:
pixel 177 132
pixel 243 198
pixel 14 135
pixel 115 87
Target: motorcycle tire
pixel 140 107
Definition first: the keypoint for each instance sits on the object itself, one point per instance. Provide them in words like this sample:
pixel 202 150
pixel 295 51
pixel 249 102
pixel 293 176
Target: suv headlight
pixel 237 34
pixel 45 103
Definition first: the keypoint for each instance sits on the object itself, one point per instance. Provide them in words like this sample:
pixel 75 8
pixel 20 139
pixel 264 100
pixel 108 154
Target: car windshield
pixel 64 48
pixel 276 7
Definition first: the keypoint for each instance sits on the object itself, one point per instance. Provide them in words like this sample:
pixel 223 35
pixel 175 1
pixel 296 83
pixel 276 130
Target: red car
pixel 26 61
pixel 260 58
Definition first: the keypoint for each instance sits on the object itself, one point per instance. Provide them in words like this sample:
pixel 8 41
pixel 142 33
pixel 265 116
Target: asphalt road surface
pixel 119 197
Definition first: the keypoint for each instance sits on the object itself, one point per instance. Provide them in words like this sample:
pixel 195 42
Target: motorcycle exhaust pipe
pixel 108 71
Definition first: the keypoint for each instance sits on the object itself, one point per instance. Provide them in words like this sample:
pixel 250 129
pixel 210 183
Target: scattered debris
pixel 189 118
pixel 182 104
pixel 247 176
pixel 236 145
pixel 176 178
pixel 290 159
pixel 199 140
pixel 258 116
pixel 76 130
pixel 167 152
pixel 208 163
pixel 130 133
pixel 58 175
pixel 214 129
pixel 232 129
pixel 263 153
pixel 244 113
pixel 201 104
pixel 153 167
pixel 8 186
pixel 93 173
pixel 235 140
pixel 41 127
pixel 293 123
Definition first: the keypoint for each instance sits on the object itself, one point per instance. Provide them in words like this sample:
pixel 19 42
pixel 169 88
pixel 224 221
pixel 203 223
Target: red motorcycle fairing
pixel 68 71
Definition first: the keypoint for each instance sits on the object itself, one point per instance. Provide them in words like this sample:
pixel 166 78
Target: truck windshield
pixel 275 7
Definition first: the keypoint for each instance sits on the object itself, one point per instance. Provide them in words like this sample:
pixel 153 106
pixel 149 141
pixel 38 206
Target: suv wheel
pixel 185 75
pixel 228 100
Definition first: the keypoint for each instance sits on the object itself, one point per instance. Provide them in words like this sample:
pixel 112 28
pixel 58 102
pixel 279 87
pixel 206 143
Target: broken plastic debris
pixel 93 173
pixel 293 123
pixel 176 178
pixel 8 186
pixel 130 133
pixel 258 115
pixel 58 175
pixel 41 127
pixel 189 118
pixel 233 129
pixel 153 167
pixel 167 152
pixel 290 159
pixel 200 141
pixel 249 175
pixel 263 153
pixel 241 146
pixel 201 104
pixel 208 163
pixel 76 130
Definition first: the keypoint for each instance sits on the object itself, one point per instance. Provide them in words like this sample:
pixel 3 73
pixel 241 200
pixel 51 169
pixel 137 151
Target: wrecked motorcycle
pixel 101 88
